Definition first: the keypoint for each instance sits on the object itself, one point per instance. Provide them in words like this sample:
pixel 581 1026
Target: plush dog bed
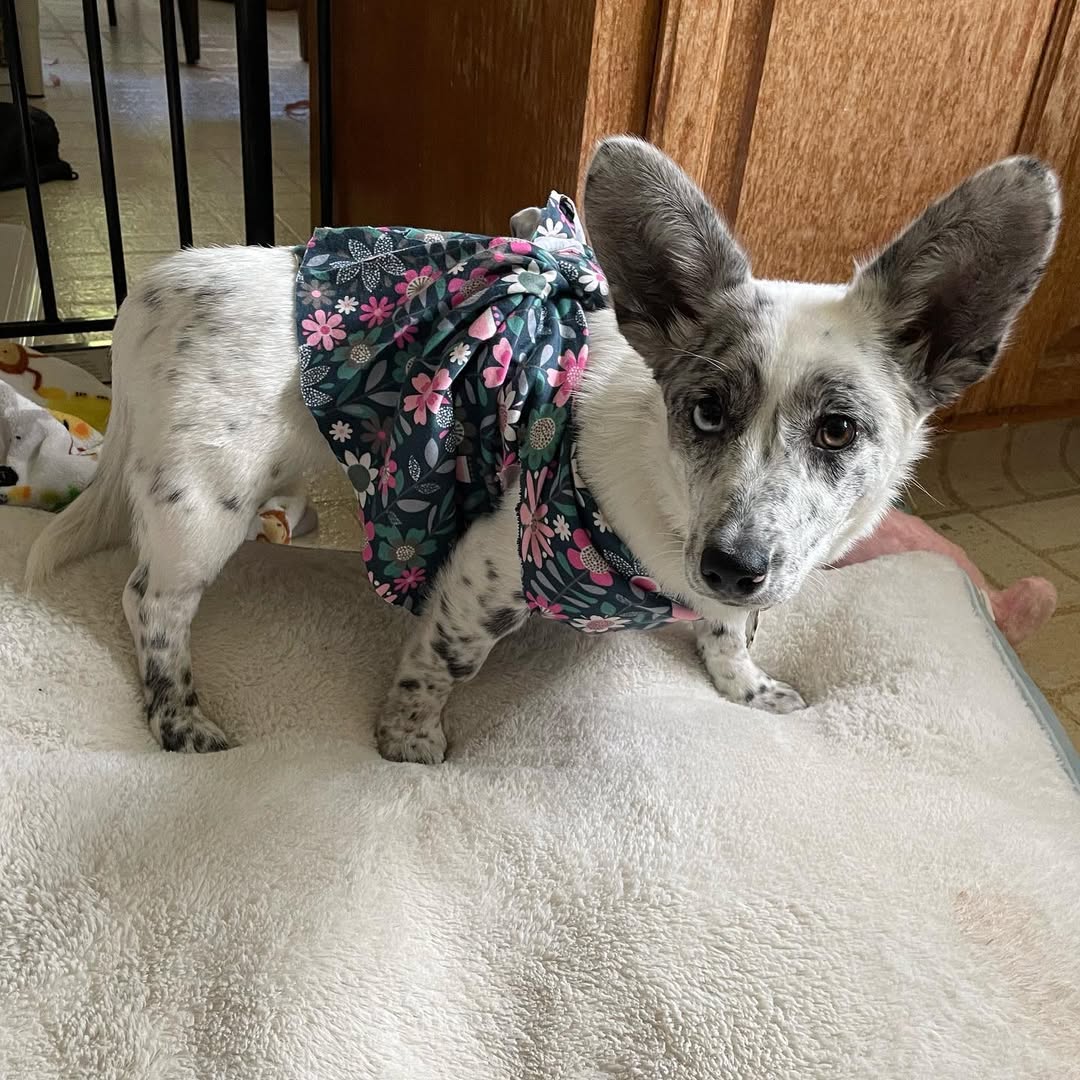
pixel 615 874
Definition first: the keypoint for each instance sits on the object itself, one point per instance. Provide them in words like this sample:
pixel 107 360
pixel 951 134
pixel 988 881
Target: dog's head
pixel 795 411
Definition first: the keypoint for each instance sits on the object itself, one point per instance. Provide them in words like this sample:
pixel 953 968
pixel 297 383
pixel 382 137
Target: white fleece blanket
pixel 615 874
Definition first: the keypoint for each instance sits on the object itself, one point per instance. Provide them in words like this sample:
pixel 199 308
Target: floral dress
pixel 441 368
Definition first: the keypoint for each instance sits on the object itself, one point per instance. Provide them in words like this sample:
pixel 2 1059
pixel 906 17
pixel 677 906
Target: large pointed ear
pixel 945 292
pixel 663 247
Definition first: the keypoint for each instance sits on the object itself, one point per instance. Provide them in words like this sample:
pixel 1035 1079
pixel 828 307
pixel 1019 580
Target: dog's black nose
pixel 740 572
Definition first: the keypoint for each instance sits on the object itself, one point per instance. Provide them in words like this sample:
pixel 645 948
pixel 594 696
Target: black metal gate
pixel 253 78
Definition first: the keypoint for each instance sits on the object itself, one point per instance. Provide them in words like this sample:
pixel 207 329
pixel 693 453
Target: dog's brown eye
pixel 708 416
pixel 835 432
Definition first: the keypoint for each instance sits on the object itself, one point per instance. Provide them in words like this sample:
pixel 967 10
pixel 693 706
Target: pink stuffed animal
pixel 1019 610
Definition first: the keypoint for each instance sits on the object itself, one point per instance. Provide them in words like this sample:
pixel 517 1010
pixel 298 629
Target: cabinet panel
pixel 866 111
pixel 458 115
pixel 1042 368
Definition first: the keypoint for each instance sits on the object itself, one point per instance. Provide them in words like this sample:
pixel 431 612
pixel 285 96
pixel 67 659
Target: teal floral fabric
pixel 441 368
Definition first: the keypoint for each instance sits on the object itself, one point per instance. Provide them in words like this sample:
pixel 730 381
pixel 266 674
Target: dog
pixel 736 433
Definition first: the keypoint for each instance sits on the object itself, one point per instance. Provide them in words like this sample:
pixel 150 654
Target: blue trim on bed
pixel 1051 725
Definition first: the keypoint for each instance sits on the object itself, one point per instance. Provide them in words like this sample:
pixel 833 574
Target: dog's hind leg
pixel 181 550
pixel 724 647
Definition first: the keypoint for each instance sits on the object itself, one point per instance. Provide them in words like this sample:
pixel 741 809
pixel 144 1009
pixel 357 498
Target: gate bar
pixel 253 76
pixel 176 121
pixel 30 165
pixel 105 149
pixel 326 160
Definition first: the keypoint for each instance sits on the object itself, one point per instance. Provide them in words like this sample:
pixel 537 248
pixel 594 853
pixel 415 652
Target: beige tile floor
pixel 138 111
pixel 1010 497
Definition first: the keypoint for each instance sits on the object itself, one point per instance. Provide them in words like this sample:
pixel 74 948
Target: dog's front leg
pixel 725 648
pixel 476 600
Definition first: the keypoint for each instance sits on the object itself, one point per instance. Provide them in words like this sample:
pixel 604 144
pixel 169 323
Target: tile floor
pixel 139 118
pixel 1010 497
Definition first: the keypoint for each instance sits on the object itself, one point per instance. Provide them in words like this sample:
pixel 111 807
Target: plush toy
pixel 1019 610
pixel 55 384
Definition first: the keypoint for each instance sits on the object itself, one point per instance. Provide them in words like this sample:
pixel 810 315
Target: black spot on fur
pixel 160 640
pixel 748 696
pixel 183 343
pixel 174 496
pixel 151 297
pixel 458 667
pixel 192 699
pixel 466 581
pixel 502 621
pixel 232 425
pixel 275 472
pixel 187 676
pixel 137 584
pixel 408 684
pixel 719 631
pixel 492 570
pixel 231 503
pixel 158 686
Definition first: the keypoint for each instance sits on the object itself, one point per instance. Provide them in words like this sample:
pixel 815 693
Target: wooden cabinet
pixel 457 115
pixel 819 128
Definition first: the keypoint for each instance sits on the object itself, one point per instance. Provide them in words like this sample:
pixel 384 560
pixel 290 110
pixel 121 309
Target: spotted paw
pixel 771 695
pixel 423 745
pixel 187 732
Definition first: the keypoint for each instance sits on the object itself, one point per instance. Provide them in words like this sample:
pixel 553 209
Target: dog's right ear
pixel 665 250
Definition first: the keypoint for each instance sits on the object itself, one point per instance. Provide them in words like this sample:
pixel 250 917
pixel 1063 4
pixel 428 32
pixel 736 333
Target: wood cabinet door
pixel 1042 371
pixel 458 115
pixel 822 128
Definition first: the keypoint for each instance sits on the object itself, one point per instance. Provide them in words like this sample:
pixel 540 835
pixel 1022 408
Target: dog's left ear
pixel 947 289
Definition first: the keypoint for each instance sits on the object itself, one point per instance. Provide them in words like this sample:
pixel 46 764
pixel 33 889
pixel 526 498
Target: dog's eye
pixel 708 416
pixel 835 432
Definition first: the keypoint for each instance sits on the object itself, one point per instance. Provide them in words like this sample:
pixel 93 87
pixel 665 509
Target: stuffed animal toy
pixel 1019 610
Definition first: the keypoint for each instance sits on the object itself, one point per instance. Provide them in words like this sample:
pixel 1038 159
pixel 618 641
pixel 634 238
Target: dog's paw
pixel 188 733
pixel 425 745
pixel 771 695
